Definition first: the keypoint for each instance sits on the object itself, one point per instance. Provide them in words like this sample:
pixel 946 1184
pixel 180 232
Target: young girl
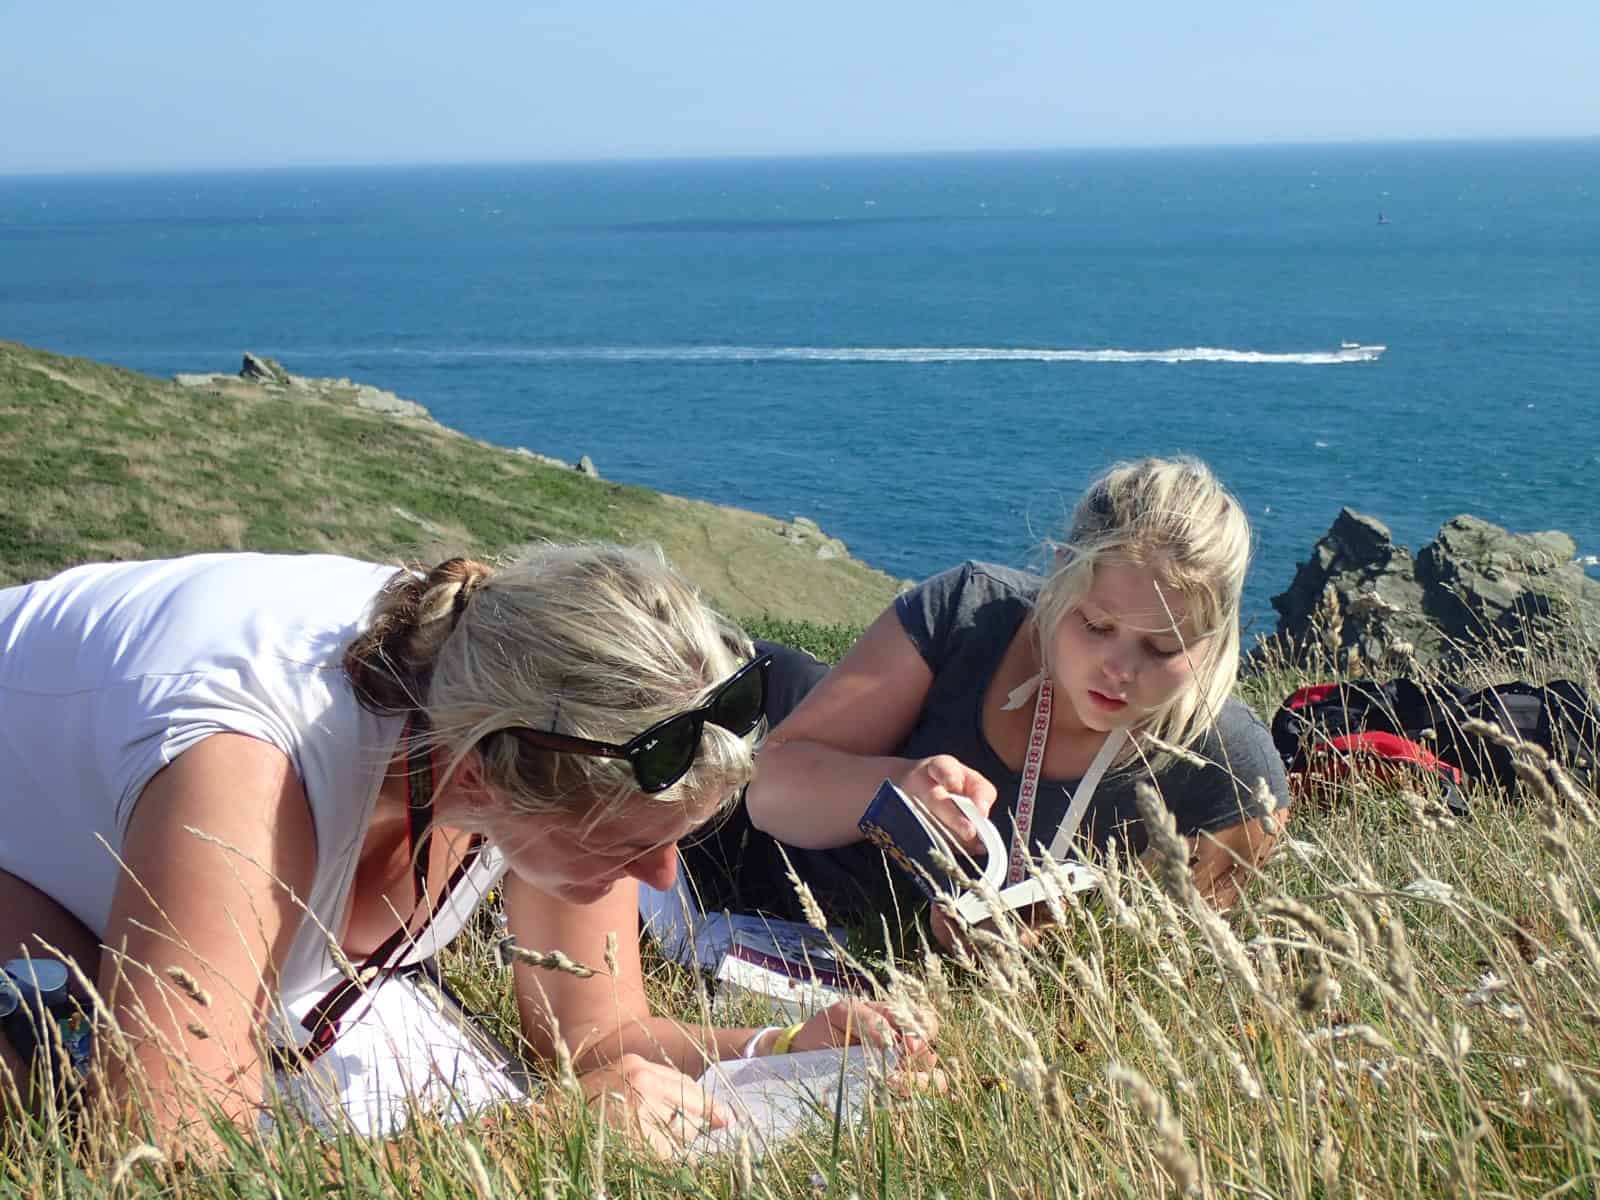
pixel 1126 650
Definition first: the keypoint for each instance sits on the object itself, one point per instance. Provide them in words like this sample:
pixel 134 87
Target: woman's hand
pixel 662 1105
pixel 935 780
pixel 852 1021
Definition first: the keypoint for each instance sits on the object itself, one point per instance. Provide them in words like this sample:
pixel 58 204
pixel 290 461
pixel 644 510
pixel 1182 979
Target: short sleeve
pixel 928 612
pixel 1239 760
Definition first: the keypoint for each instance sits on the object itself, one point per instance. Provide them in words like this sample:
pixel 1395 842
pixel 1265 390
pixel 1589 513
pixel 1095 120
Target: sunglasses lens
pixel 662 761
pixel 738 706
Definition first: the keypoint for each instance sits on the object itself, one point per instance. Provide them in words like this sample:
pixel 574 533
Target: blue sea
pixel 929 355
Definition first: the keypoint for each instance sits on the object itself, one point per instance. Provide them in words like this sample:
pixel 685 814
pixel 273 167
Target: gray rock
pixel 1512 588
pixel 586 467
pixel 1361 597
pixel 1358 590
pixel 192 380
pixel 378 400
pixel 803 532
pixel 260 369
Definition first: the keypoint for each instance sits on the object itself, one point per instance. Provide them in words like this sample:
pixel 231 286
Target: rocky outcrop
pixel 260 371
pixel 1362 598
pixel 267 373
pixel 804 533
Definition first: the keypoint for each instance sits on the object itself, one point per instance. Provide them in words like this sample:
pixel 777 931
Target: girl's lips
pixel 1109 703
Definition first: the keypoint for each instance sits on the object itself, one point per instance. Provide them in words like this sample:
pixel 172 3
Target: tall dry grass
pixel 1402 1004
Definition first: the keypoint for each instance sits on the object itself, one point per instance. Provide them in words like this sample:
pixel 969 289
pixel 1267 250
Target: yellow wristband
pixel 786 1038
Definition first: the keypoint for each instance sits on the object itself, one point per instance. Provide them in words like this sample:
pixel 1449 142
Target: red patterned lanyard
pixel 1028 789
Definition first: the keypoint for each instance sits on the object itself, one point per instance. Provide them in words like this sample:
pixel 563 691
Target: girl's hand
pixel 935 780
pixel 662 1105
pixel 852 1021
pixel 1030 919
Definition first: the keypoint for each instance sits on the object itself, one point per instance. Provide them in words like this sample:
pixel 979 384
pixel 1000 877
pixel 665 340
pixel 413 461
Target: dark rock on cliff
pixel 1362 597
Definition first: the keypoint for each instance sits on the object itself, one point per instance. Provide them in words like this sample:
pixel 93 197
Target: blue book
pixel 908 834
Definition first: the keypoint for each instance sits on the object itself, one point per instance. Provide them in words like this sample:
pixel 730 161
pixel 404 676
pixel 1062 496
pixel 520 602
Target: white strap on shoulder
pixel 1061 844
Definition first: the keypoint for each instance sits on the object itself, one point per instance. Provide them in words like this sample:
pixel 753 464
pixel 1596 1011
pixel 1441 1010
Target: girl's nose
pixel 1118 665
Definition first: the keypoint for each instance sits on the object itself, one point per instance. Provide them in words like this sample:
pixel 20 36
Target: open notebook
pixel 782 1096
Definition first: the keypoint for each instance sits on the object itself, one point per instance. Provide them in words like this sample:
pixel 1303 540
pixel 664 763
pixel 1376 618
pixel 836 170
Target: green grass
pixel 1402 1005
pixel 99 463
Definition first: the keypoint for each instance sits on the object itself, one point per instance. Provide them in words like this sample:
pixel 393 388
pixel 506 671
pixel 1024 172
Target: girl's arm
pixel 606 1016
pixel 1224 861
pixel 220 843
pixel 818 770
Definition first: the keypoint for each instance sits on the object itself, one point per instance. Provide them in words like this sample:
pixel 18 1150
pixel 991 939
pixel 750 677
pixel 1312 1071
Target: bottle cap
pixel 46 976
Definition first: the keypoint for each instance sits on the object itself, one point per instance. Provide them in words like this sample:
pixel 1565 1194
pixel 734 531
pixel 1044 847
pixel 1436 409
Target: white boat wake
pixel 1347 353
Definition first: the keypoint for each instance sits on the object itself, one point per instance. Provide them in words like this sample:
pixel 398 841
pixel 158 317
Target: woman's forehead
pixel 647 823
pixel 1137 596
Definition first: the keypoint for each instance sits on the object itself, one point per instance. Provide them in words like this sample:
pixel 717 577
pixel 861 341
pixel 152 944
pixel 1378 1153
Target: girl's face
pixel 556 855
pixel 1128 648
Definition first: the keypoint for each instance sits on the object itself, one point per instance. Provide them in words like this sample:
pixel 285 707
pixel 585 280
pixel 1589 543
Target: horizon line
pixel 779 156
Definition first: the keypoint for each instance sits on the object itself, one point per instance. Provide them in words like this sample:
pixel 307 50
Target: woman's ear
pixel 470 784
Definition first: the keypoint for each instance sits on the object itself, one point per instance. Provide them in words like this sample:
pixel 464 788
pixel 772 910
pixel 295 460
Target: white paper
pixel 781 1096
pixel 402 1052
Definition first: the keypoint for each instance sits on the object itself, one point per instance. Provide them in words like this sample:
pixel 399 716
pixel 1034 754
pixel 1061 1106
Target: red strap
pixel 1307 696
pixel 1388 747
pixel 1032 765
pixel 324 1017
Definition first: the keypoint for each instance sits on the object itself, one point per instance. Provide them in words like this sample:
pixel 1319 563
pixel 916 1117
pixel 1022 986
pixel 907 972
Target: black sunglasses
pixel 663 754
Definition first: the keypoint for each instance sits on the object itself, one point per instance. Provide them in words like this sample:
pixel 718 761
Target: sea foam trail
pixel 878 354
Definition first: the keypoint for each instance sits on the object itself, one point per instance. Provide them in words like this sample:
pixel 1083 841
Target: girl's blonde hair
pixel 592 641
pixel 1170 516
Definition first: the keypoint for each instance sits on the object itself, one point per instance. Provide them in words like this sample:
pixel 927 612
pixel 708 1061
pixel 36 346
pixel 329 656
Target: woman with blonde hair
pixel 1022 693
pixel 239 791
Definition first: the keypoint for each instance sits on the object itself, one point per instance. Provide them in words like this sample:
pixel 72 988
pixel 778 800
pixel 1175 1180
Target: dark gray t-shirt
pixel 962 622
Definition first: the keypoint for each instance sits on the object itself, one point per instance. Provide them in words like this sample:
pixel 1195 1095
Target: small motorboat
pixel 1358 352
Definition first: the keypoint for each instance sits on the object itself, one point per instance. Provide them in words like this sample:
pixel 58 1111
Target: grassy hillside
pixel 98 463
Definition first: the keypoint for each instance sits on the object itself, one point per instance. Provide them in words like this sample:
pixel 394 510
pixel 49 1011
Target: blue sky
pixel 183 84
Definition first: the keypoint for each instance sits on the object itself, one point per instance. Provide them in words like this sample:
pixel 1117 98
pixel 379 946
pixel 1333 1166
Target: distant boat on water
pixel 1358 352
pixel 1382 220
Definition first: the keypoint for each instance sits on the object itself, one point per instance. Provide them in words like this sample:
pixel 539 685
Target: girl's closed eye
pixel 1095 627
pixel 1163 652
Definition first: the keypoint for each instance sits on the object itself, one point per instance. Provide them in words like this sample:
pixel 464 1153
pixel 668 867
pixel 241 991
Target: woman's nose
pixel 658 867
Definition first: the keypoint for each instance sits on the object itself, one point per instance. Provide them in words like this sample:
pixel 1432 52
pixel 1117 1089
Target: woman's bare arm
pixel 1224 861
pixel 201 922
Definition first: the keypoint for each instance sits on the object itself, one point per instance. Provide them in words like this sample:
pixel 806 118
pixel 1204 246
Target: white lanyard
pixel 1022 826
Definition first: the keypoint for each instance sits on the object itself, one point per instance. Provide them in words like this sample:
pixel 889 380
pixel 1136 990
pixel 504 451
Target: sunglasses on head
pixel 663 754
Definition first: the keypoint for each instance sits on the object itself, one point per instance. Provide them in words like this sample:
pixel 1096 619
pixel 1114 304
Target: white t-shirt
pixel 109 672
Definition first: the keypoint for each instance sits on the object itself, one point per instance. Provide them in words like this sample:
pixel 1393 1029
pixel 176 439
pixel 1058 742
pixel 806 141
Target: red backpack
pixel 1389 731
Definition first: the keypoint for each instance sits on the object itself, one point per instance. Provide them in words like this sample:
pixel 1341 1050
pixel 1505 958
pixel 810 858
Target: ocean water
pixel 929 355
